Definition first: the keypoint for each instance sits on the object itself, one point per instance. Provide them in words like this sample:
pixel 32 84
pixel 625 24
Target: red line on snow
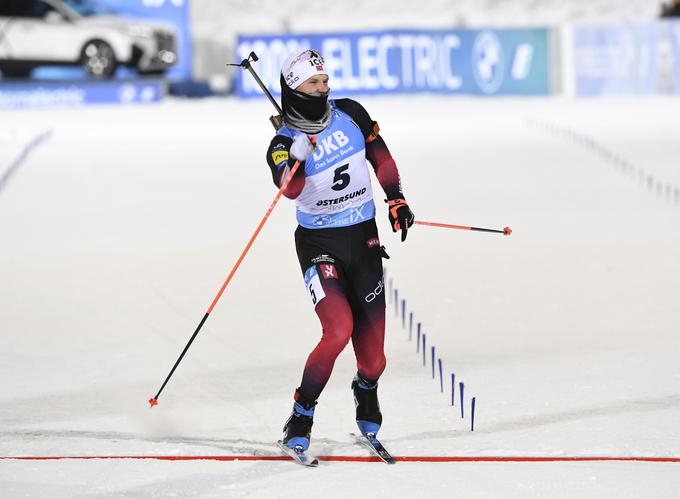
pixel 429 459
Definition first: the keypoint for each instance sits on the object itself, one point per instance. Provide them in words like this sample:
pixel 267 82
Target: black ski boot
pixel 298 428
pixel 369 417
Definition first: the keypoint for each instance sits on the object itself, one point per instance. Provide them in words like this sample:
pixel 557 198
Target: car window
pixel 87 8
pixel 24 8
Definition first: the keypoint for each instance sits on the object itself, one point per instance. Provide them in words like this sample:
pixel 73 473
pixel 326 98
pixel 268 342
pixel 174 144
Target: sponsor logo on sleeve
pixel 373 242
pixel 279 157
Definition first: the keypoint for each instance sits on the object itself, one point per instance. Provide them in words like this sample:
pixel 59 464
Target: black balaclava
pixel 309 113
pixel 311 107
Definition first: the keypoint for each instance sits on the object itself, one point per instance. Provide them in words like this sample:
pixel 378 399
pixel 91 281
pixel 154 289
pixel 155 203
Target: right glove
pixel 301 147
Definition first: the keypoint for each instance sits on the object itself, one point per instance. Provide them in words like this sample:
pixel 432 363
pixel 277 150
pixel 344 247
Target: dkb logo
pixel 331 143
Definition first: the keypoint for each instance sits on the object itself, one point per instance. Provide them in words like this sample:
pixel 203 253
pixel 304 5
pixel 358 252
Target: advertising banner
pixel 674 51
pixel 459 61
pixel 51 94
pixel 626 59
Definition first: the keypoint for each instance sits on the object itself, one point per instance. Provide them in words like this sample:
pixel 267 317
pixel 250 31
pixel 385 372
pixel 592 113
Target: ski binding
pixel 299 455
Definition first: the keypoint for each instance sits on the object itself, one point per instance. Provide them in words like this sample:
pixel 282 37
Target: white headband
pixel 298 68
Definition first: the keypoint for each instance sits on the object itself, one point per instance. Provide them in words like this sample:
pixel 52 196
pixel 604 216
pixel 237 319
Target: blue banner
pixel 479 62
pixel 637 59
pixel 674 38
pixel 50 94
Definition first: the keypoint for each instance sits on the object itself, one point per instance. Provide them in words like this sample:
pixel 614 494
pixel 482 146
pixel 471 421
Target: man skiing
pixel 337 239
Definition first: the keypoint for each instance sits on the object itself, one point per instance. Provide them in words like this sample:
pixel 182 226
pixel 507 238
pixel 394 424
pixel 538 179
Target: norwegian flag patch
pixel 328 271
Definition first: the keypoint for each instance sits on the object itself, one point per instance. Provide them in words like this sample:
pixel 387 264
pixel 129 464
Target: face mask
pixel 307 112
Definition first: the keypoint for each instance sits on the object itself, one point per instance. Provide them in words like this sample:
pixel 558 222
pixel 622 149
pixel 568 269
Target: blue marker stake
pixel 462 387
pixel 410 325
pixel 441 376
pixel 396 301
pixel 418 339
pixel 453 390
pixel 472 415
pixel 403 314
pixel 432 362
pixel 424 344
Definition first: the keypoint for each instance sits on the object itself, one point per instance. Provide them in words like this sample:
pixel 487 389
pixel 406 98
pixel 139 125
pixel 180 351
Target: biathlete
pixel 336 239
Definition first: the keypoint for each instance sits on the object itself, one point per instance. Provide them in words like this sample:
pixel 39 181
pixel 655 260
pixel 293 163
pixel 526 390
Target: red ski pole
pixel 277 121
pixel 154 400
pixel 506 231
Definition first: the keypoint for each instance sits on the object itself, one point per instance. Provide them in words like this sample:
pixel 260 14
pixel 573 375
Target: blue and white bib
pixel 337 190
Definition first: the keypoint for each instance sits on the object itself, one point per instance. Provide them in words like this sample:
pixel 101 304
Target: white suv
pixel 74 32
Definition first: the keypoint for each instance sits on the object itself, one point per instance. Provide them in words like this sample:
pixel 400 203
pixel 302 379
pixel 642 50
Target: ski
pixel 373 444
pixel 298 455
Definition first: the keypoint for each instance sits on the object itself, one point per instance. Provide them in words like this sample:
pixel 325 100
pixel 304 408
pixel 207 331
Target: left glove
pixel 401 216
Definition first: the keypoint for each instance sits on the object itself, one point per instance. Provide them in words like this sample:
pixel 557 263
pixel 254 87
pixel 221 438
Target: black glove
pixel 401 216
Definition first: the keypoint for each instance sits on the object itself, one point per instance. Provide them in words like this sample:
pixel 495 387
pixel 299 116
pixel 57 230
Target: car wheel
pixel 98 59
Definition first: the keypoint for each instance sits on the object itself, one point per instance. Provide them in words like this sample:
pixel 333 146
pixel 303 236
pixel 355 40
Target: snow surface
pixel 117 232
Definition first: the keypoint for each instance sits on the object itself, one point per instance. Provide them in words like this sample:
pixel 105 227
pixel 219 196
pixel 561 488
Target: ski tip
pixel 507 231
pixel 153 401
